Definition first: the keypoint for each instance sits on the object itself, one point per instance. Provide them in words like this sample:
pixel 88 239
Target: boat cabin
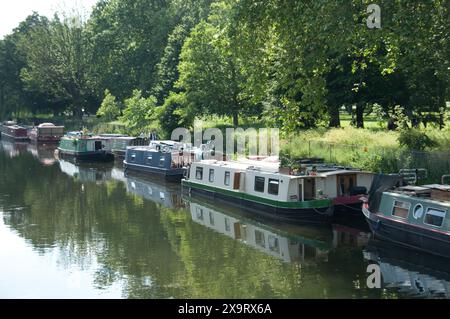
pixel 83 144
pixel 13 131
pixel 47 132
pixel 426 206
pixel 265 180
pixel 163 158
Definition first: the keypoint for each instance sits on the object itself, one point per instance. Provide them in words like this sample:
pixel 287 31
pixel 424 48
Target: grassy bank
pixel 373 150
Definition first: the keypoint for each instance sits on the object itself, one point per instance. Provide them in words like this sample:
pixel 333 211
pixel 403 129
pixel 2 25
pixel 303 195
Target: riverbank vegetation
pixel 301 66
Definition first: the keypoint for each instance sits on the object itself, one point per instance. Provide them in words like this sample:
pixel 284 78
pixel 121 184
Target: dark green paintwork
pixel 322 203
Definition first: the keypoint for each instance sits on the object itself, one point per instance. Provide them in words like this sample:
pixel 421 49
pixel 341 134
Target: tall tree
pixel 211 72
pixel 186 15
pixel 127 40
pixel 56 61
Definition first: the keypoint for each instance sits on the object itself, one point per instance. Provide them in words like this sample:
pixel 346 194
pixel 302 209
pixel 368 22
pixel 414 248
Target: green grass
pixel 372 150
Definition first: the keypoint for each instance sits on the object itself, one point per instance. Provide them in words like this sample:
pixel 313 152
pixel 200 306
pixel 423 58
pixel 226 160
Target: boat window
pixel 98 145
pixel 274 186
pixel 435 217
pixel 227 178
pixel 211 176
pixel 211 218
pixel 401 209
pixel 162 161
pixel 227 225
pixel 199 213
pixel 199 173
pixel 149 159
pixel 133 157
pixel 418 211
pixel 274 244
pixel 259 184
pixel 260 239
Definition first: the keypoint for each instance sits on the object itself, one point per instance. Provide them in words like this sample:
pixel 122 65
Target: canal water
pixel 71 230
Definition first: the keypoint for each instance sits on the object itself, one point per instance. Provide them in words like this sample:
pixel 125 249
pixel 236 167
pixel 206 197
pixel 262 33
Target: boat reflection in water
pixel 43 152
pixel 12 148
pixel 159 192
pixel 348 235
pixel 411 273
pixel 293 244
pixel 87 172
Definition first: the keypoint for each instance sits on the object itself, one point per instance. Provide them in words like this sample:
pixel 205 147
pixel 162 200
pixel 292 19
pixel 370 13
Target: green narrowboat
pixel 84 147
pixel 414 216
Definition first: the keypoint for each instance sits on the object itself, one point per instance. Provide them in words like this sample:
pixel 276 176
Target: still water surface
pixel 90 231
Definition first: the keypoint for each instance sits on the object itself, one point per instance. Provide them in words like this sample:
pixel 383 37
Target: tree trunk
pixel 335 120
pixel 78 109
pixel 442 105
pixel 2 101
pixel 235 119
pixel 77 113
pixel 360 116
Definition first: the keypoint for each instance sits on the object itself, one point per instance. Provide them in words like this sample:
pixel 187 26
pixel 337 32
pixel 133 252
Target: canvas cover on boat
pixel 380 184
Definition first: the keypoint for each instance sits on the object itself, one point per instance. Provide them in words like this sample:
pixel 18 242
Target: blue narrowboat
pixel 165 159
pixel 414 216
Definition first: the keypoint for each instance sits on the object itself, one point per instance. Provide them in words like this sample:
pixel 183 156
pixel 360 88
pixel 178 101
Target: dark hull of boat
pixel 87 156
pixel 119 155
pixel 421 239
pixel 44 140
pixel 168 174
pixel 6 136
pixel 303 215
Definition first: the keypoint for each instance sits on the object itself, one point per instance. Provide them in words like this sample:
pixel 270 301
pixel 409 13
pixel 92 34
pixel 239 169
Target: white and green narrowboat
pixel 263 188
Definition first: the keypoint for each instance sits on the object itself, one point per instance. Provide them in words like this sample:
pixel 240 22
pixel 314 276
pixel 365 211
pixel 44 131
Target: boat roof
pixel 441 187
pixel 125 138
pixel 49 125
pixel 80 135
pixel 165 142
pixel 9 123
pixel 425 193
pixel 274 168
pixel 113 135
pixel 341 172
pixel 15 126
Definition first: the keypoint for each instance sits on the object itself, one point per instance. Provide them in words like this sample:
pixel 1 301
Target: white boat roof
pixel 273 168
pixel 49 125
pixel 240 165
